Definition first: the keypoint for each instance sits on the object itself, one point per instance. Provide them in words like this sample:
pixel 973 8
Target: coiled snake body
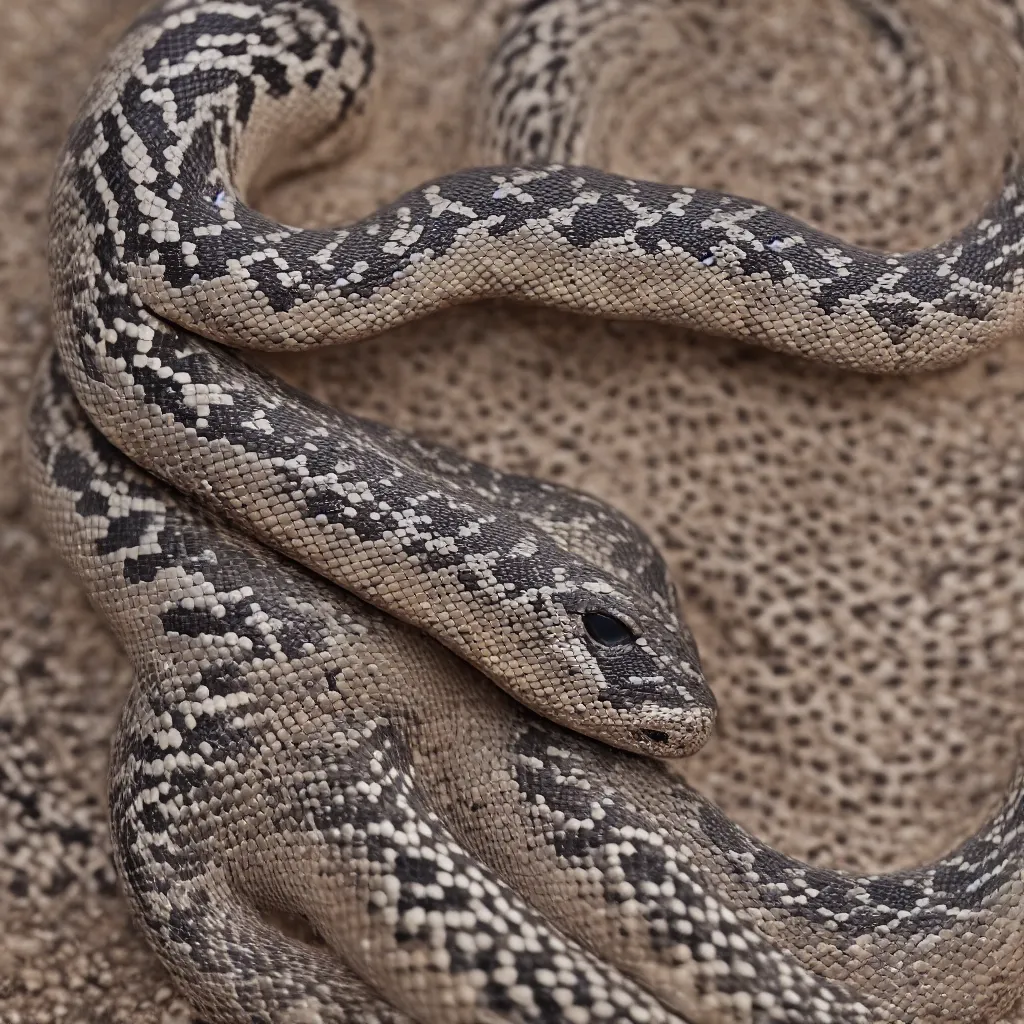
pixel 288 750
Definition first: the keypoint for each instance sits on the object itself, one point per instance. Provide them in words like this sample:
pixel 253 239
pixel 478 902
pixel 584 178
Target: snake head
pixel 584 626
pixel 631 667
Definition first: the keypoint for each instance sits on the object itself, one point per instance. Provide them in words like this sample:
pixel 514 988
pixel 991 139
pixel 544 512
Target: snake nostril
pixel 654 735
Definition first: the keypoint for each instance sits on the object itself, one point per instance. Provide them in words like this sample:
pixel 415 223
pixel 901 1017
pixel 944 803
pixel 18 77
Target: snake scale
pixel 319 813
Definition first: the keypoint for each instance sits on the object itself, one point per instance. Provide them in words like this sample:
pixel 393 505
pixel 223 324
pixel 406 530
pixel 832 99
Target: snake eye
pixel 607 630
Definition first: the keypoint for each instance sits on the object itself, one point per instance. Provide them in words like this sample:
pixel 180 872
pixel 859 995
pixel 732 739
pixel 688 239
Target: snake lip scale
pixel 294 749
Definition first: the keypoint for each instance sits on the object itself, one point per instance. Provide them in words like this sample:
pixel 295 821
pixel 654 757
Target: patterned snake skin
pixel 319 814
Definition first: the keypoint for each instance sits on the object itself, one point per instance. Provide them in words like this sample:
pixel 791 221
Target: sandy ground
pixel 850 549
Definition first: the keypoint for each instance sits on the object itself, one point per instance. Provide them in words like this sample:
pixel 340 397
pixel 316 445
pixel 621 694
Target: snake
pixel 322 810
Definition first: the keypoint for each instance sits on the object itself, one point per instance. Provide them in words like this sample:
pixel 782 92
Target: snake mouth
pixel 669 738
pixel 654 735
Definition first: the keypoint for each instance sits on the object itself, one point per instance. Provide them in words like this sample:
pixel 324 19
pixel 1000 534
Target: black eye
pixel 607 630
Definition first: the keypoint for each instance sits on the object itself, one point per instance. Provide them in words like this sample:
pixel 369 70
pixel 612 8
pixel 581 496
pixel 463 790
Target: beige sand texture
pixel 850 548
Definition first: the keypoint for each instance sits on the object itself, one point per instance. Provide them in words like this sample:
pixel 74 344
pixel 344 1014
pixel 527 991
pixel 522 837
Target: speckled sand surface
pixel 850 549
